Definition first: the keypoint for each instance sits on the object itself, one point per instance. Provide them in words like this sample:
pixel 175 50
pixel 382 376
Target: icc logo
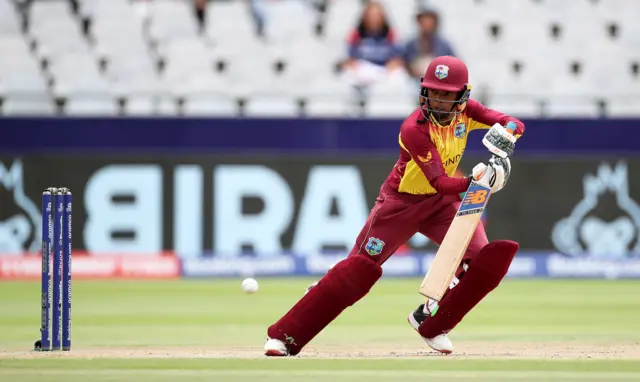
pixel 24 222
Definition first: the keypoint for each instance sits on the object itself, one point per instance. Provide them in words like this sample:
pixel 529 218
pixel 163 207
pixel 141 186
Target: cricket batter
pixel 420 194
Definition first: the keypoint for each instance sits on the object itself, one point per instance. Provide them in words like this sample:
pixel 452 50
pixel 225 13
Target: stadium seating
pixel 125 57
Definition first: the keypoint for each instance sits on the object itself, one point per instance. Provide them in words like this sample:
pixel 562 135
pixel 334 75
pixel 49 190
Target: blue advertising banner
pixel 525 265
pixel 35 135
pixel 269 204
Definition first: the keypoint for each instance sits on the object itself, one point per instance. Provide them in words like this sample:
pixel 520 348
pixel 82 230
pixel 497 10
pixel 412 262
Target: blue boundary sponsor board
pixel 525 265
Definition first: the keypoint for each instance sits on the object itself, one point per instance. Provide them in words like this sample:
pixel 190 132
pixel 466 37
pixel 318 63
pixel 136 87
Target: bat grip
pixel 510 127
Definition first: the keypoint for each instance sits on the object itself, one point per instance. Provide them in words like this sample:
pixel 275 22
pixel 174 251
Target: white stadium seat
pixel 140 105
pixel 271 106
pixel 226 18
pixel 624 107
pixel 49 12
pixel 519 107
pixel 167 106
pixel 153 54
pixel 210 106
pixel 23 82
pixel 573 107
pixel 398 106
pixel 9 24
pixel 330 106
pixel 91 105
pixel 32 104
pixel 170 20
pixel 289 20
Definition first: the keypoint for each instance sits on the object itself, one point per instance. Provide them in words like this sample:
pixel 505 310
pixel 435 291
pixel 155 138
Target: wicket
pixel 56 238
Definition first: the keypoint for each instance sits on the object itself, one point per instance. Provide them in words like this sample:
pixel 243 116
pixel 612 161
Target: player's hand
pixel 502 168
pixel 494 175
pixel 481 171
pixel 499 140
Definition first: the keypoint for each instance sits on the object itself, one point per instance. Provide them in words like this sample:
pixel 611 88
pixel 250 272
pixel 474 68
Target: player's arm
pixel 426 156
pixel 483 118
pixel 503 131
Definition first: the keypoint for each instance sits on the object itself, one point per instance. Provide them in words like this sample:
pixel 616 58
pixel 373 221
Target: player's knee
pixel 358 252
pixel 472 253
pixel 496 257
pixel 352 278
pixel 371 259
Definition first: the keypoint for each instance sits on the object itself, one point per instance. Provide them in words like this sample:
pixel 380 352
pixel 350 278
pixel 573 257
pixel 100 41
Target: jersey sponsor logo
pixel 442 71
pixel 374 246
pixel 452 161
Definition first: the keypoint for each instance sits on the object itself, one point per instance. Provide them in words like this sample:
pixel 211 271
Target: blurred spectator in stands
pixel 374 52
pixel 427 45
pixel 200 9
pixel 258 13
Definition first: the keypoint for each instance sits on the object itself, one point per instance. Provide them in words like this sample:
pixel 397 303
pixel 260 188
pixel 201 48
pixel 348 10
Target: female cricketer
pixel 422 195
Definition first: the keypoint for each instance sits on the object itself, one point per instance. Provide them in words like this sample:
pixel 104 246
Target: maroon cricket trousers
pixel 396 217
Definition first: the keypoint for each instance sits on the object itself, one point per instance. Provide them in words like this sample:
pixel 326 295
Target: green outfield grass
pixel 210 330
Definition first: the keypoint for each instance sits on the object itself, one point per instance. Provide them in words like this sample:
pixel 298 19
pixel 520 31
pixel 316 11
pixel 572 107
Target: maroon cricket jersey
pixel 430 153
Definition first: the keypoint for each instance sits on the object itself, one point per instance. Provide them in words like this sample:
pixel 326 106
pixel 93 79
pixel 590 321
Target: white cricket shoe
pixel 275 348
pixel 440 343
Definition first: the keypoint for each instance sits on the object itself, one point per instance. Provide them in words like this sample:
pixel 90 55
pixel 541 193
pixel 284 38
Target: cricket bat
pixel 456 241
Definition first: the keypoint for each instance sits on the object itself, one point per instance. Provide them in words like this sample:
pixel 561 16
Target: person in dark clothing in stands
pixel 426 45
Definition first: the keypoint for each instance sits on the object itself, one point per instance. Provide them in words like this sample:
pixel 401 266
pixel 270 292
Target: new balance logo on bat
pixel 477 197
pixel 474 200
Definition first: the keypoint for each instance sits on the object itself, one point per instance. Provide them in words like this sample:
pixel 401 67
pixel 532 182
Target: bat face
pixel 474 200
pixel 455 242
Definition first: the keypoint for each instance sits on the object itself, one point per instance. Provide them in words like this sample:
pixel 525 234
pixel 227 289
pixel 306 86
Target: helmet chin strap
pixel 452 116
pixel 431 117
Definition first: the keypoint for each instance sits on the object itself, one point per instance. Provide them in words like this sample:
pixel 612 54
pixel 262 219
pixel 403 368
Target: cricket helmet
pixel 446 73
